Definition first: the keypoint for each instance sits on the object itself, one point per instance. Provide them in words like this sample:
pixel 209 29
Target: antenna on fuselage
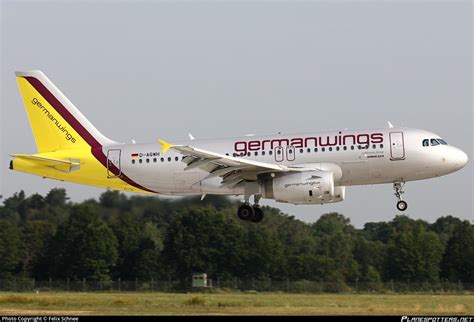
pixel 389 124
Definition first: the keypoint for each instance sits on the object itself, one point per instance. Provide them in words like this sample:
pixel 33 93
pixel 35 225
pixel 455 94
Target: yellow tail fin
pixel 56 123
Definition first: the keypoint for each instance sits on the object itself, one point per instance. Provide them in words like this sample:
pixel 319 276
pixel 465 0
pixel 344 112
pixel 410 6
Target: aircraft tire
pixel 402 205
pixel 258 216
pixel 245 212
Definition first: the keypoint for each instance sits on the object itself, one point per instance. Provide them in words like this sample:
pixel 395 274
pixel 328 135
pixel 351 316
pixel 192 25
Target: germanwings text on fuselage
pixel 308 142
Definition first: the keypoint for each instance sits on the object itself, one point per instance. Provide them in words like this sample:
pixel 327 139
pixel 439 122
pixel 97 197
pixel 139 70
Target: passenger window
pixel 140 161
pixel 426 142
pixel 434 142
pixel 301 150
pixel 330 148
pixel 256 153
pixel 133 161
pixel 263 152
pixel 176 159
pixel 308 150
pixel 315 149
pixel 344 147
pixel 270 152
pixel 323 149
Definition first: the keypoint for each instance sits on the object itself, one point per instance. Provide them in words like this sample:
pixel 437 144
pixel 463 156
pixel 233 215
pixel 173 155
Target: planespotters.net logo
pixel 437 319
pixel 53 119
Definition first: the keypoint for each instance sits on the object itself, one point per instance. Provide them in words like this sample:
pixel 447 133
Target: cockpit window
pixel 443 142
pixel 426 142
pixel 434 142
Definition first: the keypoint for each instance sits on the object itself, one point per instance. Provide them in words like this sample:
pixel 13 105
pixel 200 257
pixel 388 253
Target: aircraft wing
pixel 233 170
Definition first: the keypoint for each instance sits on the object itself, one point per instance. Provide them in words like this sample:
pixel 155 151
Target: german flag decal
pixel 134 155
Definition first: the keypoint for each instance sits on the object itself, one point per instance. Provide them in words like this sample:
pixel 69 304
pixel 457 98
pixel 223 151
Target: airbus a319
pixel 304 168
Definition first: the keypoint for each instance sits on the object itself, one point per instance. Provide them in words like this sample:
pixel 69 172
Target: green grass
pixel 63 303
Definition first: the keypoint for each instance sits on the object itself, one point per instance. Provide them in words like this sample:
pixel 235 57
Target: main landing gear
pixel 253 213
pixel 397 186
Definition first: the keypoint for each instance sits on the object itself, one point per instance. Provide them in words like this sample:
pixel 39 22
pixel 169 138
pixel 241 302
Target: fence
pixel 231 285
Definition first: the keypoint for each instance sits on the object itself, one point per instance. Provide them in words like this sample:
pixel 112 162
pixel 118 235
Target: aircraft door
pixel 278 154
pixel 290 153
pixel 397 148
pixel 113 163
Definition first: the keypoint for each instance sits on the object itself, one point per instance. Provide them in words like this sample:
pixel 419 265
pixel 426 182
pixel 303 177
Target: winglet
pixel 165 146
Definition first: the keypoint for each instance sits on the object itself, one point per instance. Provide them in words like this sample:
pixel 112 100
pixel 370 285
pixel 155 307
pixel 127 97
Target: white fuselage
pixel 355 157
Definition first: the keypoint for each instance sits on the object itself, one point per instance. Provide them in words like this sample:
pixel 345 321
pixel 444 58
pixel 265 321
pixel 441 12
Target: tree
pixel 445 226
pixel 37 236
pixel 10 249
pixel 113 199
pixel 370 257
pixel 202 240
pixel 413 253
pixel 148 237
pixel 14 208
pixel 56 197
pixel 84 246
pixel 458 259
pixel 380 231
pixel 334 235
pixel 140 246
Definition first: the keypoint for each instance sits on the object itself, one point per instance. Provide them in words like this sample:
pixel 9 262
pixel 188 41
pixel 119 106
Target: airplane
pixel 301 168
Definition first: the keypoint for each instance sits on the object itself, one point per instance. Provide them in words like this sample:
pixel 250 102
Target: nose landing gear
pixel 397 186
pixel 251 213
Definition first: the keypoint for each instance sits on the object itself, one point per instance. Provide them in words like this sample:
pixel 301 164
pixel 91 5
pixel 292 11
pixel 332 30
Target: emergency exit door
pixel 397 148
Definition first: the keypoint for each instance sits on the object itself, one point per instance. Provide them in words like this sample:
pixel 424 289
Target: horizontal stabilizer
pixel 61 165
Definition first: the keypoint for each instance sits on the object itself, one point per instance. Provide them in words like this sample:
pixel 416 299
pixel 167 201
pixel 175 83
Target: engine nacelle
pixel 302 188
pixel 339 195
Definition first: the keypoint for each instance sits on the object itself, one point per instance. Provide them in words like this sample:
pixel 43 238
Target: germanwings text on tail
pixel 306 168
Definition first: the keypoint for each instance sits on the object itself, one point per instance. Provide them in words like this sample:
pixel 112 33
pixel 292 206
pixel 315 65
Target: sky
pixel 144 70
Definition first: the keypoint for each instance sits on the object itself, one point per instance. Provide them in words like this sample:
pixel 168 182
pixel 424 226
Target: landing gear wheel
pixel 402 205
pixel 245 212
pixel 258 214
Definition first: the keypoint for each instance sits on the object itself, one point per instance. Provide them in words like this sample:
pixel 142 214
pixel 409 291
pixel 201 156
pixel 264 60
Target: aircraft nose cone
pixel 463 159
pixel 458 159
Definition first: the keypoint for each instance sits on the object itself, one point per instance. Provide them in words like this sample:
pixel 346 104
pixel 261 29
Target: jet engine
pixel 308 187
pixel 339 195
